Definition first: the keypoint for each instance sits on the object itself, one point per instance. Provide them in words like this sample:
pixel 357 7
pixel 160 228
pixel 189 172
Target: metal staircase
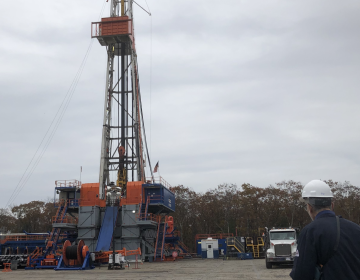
pixel 147 206
pixel 143 210
pixel 36 259
pixel 183 247
pixel 160 240
pixel 236 243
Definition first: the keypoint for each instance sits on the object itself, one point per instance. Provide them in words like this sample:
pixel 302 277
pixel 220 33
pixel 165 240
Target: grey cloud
pixel 245 91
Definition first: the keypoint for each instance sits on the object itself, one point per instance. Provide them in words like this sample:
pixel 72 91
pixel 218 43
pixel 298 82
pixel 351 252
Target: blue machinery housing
pixel 160 197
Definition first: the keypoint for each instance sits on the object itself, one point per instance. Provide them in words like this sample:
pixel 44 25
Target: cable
pixel 143 126
pixel 52 128
pixel 142 8
pixel 150 72
pixel 148 6
pixel 62 109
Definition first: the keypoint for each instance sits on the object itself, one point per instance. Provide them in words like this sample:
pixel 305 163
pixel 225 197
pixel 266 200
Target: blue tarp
pixel 107 229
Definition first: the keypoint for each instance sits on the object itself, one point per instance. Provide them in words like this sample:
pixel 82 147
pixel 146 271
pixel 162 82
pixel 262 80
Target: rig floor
pixel 181 269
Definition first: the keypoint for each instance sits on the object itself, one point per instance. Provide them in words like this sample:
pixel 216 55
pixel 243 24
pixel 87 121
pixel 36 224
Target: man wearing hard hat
pixel 329 247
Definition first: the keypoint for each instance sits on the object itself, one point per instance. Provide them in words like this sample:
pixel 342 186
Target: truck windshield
pixel 282 235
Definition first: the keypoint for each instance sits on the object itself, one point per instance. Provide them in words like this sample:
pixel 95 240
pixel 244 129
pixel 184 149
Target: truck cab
pixel 280 246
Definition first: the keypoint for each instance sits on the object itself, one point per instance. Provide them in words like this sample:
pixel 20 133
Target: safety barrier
pixel 67 183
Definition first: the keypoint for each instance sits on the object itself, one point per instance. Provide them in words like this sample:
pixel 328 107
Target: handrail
pixel 156 198
pixel 67 183
pixel 180 243
pixel 234 241
pixel 249 241
pixel 147 217
pixel 159 180
pixel 104 256
pixel 239 245
pixel 65 220
pixel 213 235
pixel 24 238
pixel 70 202
pixel 260 241
pixel 147 205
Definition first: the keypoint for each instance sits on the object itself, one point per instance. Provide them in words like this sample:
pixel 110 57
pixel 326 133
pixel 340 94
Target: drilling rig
pixel 128 210
pixel 123 148
pixel 124 212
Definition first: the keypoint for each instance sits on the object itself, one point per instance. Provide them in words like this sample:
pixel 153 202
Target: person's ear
pixel 311 210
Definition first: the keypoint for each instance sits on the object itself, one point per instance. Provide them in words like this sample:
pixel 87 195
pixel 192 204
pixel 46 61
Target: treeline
pixel 227 209
pixel 35 216
pixel 248 209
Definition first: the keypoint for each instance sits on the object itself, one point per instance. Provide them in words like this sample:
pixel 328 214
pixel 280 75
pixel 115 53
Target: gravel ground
pixel 181 269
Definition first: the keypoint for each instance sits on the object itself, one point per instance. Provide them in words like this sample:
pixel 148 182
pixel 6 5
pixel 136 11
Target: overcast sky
pixel 233 91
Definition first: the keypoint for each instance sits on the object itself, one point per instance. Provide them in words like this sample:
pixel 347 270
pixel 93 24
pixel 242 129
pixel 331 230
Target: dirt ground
pixel 180 269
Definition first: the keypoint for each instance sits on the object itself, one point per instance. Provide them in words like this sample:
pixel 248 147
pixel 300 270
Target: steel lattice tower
pixel 123 148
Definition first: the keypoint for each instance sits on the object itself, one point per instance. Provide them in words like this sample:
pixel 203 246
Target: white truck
pixel 280 246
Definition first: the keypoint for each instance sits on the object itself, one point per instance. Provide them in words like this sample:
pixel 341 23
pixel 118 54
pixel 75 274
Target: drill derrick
pixel 122 147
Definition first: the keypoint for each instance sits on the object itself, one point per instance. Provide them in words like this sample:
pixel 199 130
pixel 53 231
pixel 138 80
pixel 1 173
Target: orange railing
pixel 65 220
pixel 215 236
pixel 156 198
pixel 104 256
pixel 147 217
pixel 112 27
pixel 182 245
pixel 91 202
pixel 23 237
pixel 26 237
pixel 67 183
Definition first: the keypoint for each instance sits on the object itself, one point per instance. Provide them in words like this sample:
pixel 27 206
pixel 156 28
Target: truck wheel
pixel 268 264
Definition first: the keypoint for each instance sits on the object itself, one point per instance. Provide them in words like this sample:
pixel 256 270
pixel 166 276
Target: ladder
pixel 256 251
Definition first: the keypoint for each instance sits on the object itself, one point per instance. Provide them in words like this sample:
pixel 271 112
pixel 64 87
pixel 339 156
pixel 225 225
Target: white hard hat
pixel 317 189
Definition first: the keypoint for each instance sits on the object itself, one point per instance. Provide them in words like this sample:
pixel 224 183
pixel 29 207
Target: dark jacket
pixel 315 246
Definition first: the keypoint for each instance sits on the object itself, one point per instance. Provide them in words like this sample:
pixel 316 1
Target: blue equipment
pixel 76 257
pixel 107 229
